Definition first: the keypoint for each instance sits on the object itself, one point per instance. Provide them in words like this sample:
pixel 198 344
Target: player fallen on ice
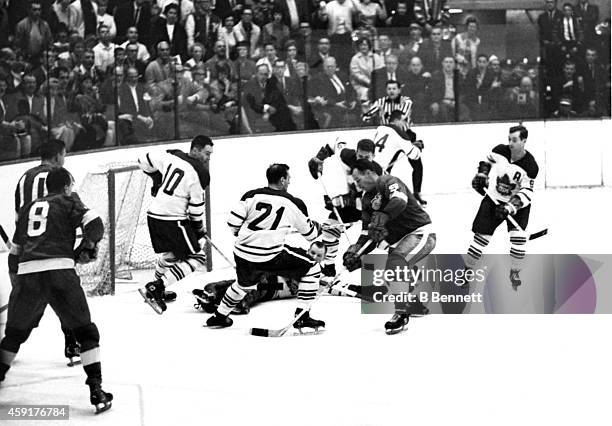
pixel 508 173
pixel 394 220
pixel 176 215
pixel 260 221
pixel 43 246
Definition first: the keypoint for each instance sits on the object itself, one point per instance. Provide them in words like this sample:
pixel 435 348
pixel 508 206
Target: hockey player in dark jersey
pixel 31 186
pixel 44 260
pixel 509 174
pixel 393 218
pixel 346 199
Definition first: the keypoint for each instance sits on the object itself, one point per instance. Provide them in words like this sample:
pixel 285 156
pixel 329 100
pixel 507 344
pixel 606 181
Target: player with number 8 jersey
pixel 176 215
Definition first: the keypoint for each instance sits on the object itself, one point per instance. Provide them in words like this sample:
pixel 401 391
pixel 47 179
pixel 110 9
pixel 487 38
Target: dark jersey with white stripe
pixel 393 197
pixel 31 186
pixel 261 220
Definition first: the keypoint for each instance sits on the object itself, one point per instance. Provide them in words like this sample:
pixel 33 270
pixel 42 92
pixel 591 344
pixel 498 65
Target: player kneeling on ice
pixel 510 193
pixel 393 218
pixel 176 215
pixel 260 221
pixel 44 258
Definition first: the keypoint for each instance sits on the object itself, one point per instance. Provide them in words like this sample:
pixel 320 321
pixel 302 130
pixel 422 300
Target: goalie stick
pixel 266 332
pixel 514 222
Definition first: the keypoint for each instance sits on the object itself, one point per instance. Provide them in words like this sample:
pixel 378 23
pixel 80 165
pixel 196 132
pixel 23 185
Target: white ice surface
pixel 459 370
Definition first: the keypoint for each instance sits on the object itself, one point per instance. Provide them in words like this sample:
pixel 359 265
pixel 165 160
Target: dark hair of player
pixel 319 245
pixel 49 150
pixel 520 128
pixel 57 180
pixel 201 141
pixel 396 114
pixel 366 145
pixel 392 82
pixel 363 165
pixel 276 172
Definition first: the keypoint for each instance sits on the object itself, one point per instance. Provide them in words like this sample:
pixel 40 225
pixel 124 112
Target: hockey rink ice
pixel 444 370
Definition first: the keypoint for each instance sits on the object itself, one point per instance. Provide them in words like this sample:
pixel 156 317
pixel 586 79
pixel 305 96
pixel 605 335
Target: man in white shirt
pixel 338 14
pixel 70 14
pixel 106 19
pixel 104 51
pixel 132 37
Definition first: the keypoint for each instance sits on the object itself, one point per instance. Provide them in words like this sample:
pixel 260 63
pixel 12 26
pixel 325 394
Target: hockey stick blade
pixel 539 234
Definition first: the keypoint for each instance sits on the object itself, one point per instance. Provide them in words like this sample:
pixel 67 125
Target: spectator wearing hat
pixel 565 109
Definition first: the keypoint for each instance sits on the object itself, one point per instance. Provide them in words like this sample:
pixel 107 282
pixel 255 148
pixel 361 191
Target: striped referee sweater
pixel 385 106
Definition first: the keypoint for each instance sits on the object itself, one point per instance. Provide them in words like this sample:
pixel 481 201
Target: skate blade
pixel 72 362
pixel 103 406
pixel 306 331
pixel 149 302
pixel 395 331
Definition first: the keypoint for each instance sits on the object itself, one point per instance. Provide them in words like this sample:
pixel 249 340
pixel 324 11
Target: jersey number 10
pixel 172 179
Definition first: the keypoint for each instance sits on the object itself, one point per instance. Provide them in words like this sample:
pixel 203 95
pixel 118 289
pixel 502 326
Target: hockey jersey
pixel 392 145
pixel 508 178
pixel 46 230
pixel 31 186
pixel 263 218
pixel 393 197
pixel 181 180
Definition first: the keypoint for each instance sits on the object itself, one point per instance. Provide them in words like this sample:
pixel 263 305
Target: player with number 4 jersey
pixel 176 215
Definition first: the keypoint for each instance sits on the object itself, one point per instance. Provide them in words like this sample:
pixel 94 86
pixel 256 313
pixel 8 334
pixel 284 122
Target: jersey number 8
pixel 37 219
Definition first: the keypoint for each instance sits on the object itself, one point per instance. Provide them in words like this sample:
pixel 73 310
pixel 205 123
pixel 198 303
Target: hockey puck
pixel 263 332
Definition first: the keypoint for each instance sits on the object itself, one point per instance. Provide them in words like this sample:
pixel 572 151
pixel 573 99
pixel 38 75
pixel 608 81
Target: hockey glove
pixel 198 228
pixel 316 167
pixel 480 182
pixel 377 230
pixel 157 182
pixel 419 144
pixel 350 260
pixel 341 201
pixel 86 252
pixel 510 208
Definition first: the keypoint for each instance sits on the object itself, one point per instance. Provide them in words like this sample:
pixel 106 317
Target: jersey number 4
pixel 37 219
pixel 266 209
pixel 380 143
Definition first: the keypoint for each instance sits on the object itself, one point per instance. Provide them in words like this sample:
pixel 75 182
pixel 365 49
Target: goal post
pixel 120 194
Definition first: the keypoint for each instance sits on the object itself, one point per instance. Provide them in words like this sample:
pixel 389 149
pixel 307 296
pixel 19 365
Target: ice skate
pixel 169 296
pixel 153 295
pixel 219 321
pixel 421 201
pixel 515 279
pixel 72 351
pixel 102 401
pixel 397 323
pixel 307 322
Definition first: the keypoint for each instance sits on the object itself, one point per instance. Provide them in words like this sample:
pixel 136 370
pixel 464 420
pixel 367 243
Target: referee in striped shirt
pixel 386 105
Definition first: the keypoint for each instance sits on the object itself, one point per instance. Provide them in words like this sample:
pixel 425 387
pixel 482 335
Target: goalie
pixel 175 218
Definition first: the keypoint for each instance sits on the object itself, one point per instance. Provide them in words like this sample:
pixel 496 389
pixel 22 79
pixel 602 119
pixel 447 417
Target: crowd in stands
pixel 97 73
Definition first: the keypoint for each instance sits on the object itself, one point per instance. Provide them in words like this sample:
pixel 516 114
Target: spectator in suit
pixel 416 87
pixel 255 113
pixel 293 13
pixel 331 95
pixel 522 101
pixel 202 26
pixel 245 67
pixel 247 31
pixel 276 31
pixel 137 14
pixel 135 121
pixel 87 67
pixel 385 46
pixel 570 85
pixel 588 16
pixel 225 8
pixel 276 98
pixel 131 60
pixel 219 56
pixel 269 57
pixel 159 70
pixel 476 89
pixel 26 105
pixel 59 123
pixel 131 36
pixel 594 75
pixel 412 47
pixel 434 49
pixel 104 18
pixel 569 30
pixel 403 14
pixel 170 30
pixel 262 12
pixel 548 22
pixel 33 34
pixel 316 62
pixel 382 75
pixel 442 99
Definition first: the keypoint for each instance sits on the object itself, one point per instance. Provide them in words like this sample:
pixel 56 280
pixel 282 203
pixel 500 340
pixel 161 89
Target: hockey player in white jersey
pixel 175 217
pixel 261 221
pixel 509 173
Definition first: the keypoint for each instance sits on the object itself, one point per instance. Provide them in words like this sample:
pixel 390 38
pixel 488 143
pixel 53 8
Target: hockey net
pixel 120 194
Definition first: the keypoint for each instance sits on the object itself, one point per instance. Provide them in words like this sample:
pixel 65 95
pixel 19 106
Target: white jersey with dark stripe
pixel 263 218
pixel 391 146
pixel 507 178
pixel 181 195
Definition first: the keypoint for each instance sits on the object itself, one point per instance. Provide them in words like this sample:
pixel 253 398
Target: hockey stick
pixel 219 251
pixel 334 209
pixel 5 238
pixel 514 222
pixel 266 332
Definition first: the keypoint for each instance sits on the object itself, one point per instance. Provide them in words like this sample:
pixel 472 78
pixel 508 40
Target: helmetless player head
pixel 517 138
pixel 60 181
pixel 365 174
pixel 278 176
pixel 53 153
pixel 365 150
pixel 201 148
pixel 317 251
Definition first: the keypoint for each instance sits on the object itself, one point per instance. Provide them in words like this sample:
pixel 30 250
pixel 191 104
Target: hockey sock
pixel 331 240
pixel 308 286
pixel 477 246
pixel 518 240
pixel 233 295
pixel 417 174
pixel 182 268
pixel 164 261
